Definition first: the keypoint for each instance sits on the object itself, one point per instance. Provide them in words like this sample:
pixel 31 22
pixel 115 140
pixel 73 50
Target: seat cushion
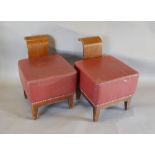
pixel 47 77
pixel 105 79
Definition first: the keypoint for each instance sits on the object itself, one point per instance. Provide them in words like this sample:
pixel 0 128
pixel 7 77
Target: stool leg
pixel 96 113
pixel 78 93
pixel 127 104
pixel 71 102
pixel 34 112
pixel 25 95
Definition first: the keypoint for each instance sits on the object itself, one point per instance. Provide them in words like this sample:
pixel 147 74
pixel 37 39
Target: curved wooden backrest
pixel 37 46
pixel 92 47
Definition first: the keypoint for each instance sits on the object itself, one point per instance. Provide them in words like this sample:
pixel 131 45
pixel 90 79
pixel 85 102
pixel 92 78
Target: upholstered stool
pixel 104 80
pixel 46 79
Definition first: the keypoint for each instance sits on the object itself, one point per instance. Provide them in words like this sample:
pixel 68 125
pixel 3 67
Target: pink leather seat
pixel 47 77
pixel 106 79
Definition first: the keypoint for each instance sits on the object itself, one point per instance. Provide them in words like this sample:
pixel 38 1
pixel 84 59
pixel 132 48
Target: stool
pixel 104 80
pixel 46 79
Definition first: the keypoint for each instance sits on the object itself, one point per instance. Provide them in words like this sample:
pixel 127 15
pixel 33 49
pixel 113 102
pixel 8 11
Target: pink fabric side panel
pixel 88 87
pixel 116 89
pixel 22 79
pixel 50 89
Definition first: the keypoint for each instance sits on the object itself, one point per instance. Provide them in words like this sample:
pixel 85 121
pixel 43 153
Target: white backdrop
pixel 132 42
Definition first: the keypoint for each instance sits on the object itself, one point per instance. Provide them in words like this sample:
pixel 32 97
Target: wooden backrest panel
pixel 92 47
pixel 37 46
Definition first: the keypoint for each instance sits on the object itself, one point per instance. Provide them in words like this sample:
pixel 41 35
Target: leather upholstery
pixel 105 79
pixel 47 77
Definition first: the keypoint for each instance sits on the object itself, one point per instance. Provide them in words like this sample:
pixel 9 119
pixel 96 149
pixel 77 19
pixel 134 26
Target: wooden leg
pixel 78 93
pixel 34 112
pixel 71 102
pixel 127 104
pixel 25 95
pixel 96 113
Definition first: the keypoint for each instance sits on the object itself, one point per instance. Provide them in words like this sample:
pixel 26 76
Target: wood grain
pixel 96 113
pixel 37 46
pixel 92 47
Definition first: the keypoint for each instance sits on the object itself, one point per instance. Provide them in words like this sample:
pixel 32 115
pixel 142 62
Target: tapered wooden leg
pixel 34 112
pixel 25 95
pixel 127 104
pixel 96 113
pixel 71 102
